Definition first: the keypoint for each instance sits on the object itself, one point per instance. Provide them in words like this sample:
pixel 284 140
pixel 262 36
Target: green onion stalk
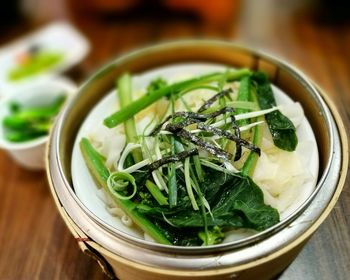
pixel 129 110
pixel 100 173
pixel 250 163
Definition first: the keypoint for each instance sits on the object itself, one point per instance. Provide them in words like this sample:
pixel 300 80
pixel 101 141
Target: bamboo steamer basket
pixel 263 256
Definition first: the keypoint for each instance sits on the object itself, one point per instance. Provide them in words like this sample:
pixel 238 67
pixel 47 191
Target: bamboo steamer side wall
pixel 126 270
pixel 225 53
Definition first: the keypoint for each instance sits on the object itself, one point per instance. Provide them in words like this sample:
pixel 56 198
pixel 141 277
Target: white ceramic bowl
pixel 30 154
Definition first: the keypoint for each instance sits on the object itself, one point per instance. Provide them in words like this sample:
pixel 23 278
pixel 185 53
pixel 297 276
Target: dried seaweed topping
pixel 235 127
pixel 191 118
pixel 173 158
pixel 211 100
pixel 187 122
pixel 212 149
pixel 229 136
pixel 197 118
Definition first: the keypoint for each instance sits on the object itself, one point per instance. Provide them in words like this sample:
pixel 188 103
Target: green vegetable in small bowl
pixel 26 117
pixel 32 62
pixel 27 123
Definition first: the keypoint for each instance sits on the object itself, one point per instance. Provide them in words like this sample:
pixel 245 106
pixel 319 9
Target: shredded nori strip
pixel 197 118
pixel 173 158
pixel 211 100
pixel 177 128
pixel 191 118
pixel 212 149
pixel 235 127
pixel 189 115
pixel 229 136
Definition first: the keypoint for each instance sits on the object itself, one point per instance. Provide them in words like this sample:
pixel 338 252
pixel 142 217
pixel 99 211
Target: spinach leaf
pixel 281 128
pixel 180 236
pixel 235 201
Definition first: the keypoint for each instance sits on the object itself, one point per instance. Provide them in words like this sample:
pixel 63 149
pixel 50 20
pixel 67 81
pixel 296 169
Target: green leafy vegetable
pixel 23 124
pixel 281 128
pixel 39 112
pixel 237 202
pixel 37 63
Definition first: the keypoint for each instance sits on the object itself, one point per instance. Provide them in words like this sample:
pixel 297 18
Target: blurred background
pixel 314 35
pixel 298 31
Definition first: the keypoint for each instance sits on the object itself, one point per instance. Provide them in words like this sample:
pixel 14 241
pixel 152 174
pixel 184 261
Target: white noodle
pixel 115 211
pixel 126 220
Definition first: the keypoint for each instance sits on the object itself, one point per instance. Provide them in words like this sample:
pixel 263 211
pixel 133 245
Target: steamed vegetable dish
pixel 182 160
pixel 33 61
pixel 27 123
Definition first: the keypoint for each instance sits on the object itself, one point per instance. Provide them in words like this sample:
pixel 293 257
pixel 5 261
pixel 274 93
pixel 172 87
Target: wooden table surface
pixel 34 241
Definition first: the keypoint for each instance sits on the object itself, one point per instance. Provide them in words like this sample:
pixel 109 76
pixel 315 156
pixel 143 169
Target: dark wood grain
pixel 35 243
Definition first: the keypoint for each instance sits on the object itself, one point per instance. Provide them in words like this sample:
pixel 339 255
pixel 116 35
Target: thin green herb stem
pixel 148 126
pixel 185 104
pixel 205 222
pixel 215 166
pixel 198 168
pixel 196 87
pixel 157 175
pixel 172 183
pixel 168 109
pixel 250 163
pixel 202 205
pixel 234 104
pixel 223 142
pixel 244 94
pixel 156 193
pixel 189 184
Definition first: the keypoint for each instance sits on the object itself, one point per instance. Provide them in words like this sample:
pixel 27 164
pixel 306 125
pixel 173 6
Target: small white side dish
pixel 58 37
pixel 30 154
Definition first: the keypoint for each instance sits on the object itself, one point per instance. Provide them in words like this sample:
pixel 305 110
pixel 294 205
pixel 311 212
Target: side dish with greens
pixel 33 61
pixel 25 123
pixel 182 158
